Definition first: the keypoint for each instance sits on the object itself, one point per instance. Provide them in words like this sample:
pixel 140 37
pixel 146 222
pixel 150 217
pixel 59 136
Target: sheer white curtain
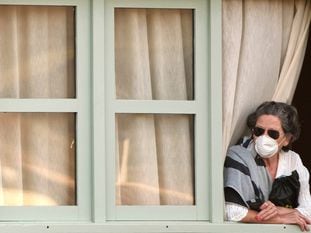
pixel 263 49
pixel 154 55
pixel 37 159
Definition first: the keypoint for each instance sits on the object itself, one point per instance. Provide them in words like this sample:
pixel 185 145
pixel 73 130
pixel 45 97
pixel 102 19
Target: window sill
pixel 144 227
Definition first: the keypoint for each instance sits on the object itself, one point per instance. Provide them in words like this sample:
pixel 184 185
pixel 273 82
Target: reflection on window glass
pixel 155 159
pixel 37 159
pixel 37 52
pixel 154 54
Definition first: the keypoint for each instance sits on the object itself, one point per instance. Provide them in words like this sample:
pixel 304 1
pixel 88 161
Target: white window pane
pixel 155 159
pixel 37 52
pixel 154 54
pixel 37 159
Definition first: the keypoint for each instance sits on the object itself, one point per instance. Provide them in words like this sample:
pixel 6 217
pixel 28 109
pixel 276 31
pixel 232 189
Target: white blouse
pixel 288 162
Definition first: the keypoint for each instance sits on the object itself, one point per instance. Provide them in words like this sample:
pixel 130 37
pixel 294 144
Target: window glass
pixel 37 159
pixel 37 52
pixel 155 158
pixel 154 54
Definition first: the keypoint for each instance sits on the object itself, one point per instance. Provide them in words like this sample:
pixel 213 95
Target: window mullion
pixel 38 105
pixel 99 116
pixel 215 133
pixel 155 106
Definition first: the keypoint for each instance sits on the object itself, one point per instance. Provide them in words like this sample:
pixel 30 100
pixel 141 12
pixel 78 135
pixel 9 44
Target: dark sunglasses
pixel 258 131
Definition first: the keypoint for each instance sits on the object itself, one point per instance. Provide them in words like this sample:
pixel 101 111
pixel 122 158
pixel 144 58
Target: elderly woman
pixel 264 181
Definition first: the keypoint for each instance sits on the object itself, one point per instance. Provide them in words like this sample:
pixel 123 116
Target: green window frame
pixel 95 108
pixel 198 107
pixel 80 106
pixel 206 107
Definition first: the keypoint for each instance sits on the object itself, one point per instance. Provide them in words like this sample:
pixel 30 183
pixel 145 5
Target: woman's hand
pixel 267 211
pixel 270 212
pixel 295 217
pixel 284 210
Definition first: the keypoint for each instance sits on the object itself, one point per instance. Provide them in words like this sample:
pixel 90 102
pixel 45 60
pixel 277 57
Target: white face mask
pixel 266 147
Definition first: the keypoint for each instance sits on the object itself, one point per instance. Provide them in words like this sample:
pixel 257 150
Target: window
pixel 115 128
pixel 44 112
pixel 156 110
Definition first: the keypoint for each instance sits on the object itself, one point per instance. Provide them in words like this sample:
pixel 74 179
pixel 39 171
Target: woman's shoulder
pixel 291 160
pixel 244 146
pixel 240 154
pixel 237 150
pixel 291 157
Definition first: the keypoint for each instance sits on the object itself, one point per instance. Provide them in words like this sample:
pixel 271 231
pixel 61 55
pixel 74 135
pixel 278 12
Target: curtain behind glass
pixel 154 61
pixel 154 54
pixel 37 52
pixel 37 159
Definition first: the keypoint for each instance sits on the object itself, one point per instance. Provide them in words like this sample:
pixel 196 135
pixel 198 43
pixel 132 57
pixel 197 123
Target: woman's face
pixel 271 122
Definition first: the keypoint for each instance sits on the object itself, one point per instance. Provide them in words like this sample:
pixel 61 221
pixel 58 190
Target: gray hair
pixel 287 114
